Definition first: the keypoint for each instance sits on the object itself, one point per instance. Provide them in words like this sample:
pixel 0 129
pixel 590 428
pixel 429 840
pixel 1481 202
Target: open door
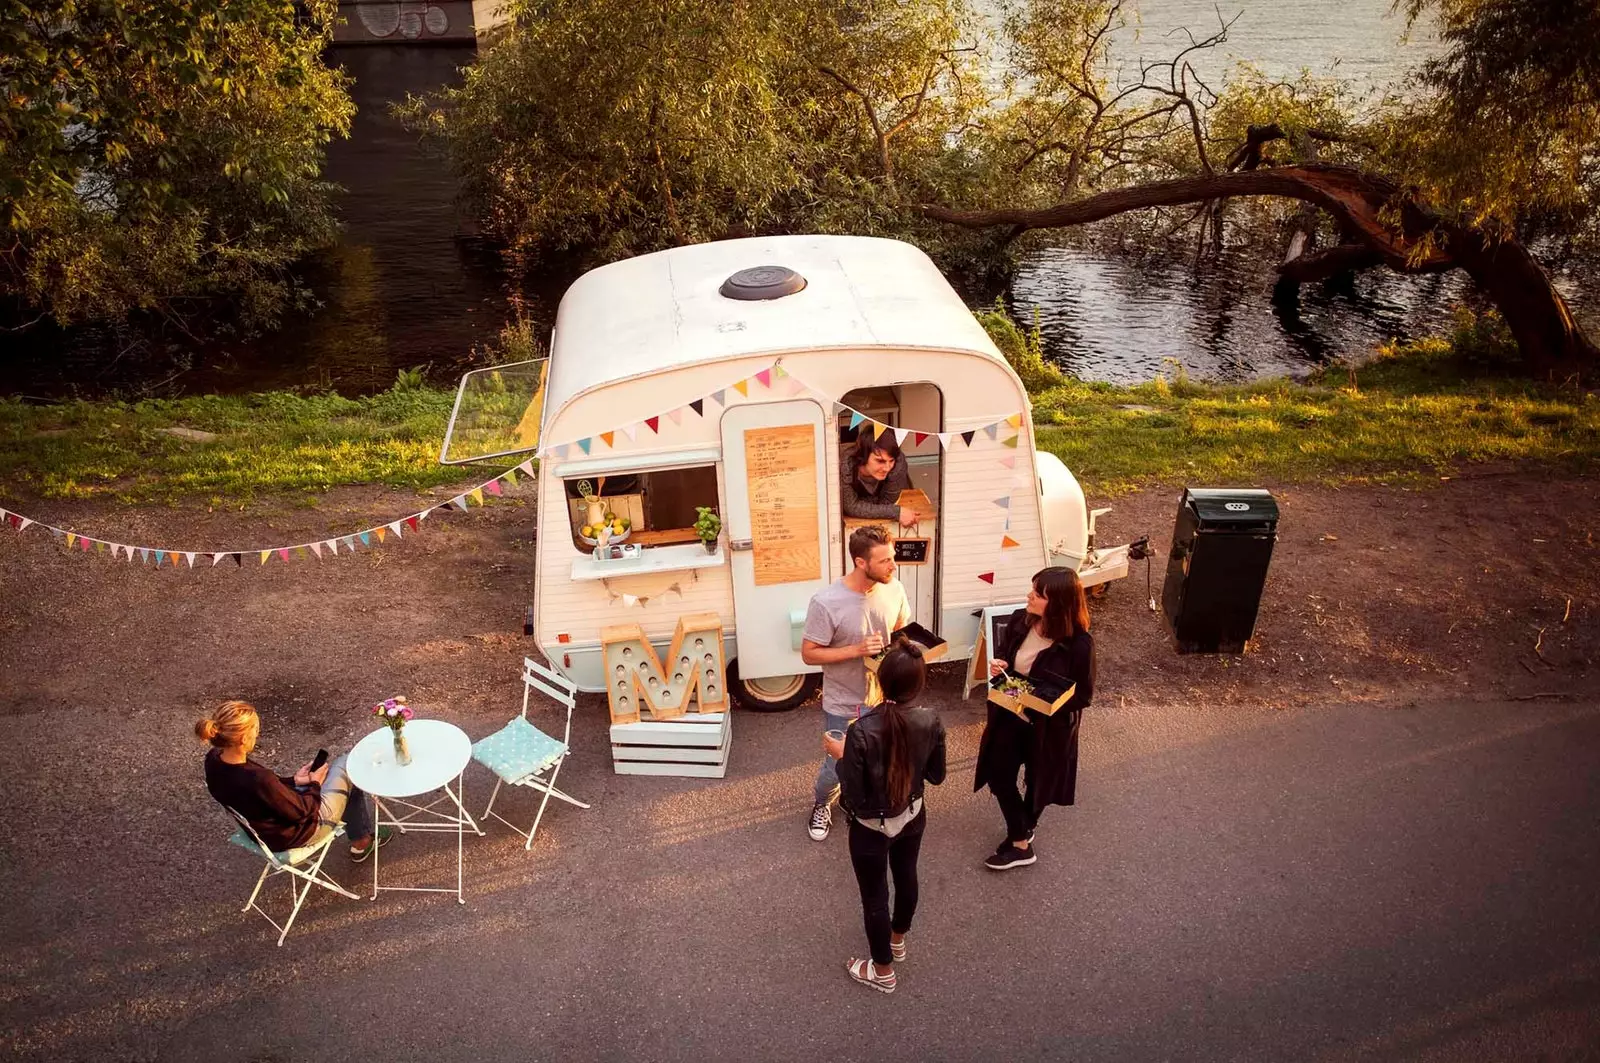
pixel 498 413
pixel 774 460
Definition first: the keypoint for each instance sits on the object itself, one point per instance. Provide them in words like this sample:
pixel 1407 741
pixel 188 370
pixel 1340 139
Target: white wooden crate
pixel 691 746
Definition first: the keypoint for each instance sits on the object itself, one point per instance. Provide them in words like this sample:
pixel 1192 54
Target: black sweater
pixel 284 816
pixel 864 769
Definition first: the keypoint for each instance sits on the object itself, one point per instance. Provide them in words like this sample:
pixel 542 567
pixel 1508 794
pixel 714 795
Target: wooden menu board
pixel 780 467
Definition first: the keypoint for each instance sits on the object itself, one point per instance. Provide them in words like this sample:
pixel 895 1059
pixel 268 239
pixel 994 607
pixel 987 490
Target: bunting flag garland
pixel 163 556
pixel 987 577
pixel 698 406
pixel 743 388
pixel 968 436
pixel 630 600
pixel 765 378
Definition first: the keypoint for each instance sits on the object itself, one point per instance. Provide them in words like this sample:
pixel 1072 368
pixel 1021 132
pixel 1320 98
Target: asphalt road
pixel 1343 883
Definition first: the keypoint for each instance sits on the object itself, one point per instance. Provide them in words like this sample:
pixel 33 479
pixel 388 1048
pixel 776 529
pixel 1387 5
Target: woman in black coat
pixel 1050 643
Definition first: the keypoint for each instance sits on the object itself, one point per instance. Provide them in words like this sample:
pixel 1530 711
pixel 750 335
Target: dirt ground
pixel 1483 589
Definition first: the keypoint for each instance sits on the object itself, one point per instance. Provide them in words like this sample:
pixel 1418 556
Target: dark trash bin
pixel 1217 567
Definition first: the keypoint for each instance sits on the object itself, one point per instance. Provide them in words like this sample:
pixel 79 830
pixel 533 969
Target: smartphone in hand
pixel 321 759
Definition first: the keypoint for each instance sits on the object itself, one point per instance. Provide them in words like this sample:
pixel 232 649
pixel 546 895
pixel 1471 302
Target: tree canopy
pixel 158 157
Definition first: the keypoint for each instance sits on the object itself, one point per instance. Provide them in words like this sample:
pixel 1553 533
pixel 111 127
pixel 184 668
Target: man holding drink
pixel 847 622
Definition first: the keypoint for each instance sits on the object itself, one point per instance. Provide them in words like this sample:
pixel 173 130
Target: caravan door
pixel 774 460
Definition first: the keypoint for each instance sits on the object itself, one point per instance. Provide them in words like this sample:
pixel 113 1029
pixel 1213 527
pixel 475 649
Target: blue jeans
pixel 343 802
pixel 826 790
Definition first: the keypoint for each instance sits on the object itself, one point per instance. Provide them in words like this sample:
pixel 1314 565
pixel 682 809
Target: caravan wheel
pixel 778 693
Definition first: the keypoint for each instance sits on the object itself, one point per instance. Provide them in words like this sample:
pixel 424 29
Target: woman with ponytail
pixel 1048 641
pixel 286 811
pixel 887 756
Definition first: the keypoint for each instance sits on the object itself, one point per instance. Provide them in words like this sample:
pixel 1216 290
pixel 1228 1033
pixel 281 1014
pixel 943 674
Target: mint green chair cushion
pixel 517 750
pixel 289 856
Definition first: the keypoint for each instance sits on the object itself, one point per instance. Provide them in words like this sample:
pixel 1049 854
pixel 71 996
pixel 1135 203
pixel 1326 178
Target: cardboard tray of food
pixel 1043 694
pixel 933 647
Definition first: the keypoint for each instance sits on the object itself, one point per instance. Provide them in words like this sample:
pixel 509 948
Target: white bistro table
pixel 440 753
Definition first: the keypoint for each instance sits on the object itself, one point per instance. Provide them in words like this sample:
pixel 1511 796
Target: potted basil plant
pixel 708 526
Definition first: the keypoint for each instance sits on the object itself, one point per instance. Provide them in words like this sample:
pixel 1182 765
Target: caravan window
pixel 657 508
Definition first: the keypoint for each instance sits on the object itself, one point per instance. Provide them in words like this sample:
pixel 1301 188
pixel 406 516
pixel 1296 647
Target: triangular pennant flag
pixel 238 559
pixel 699 407
pixel 477 495
pixel 1007 542
pixel 987 577
pixel 992 430
pixel 56 533
pixel 743 388
pixel 301 552
pixel 1011 441
pixel 878 430
pixel 99 547
pixel 264 555
pixel 190 557
pixel 629 600
pixel 943 438
pixel 584 444
pixel 900 436
pixel 765 378
pixel 22 522
pixel 161 555
pixel 350 543
pixel 395 527
pixel 460 502
pixel 856 417
pixel 779 371
pixel 917 438
pixel 561 451
pixel 72 537
pixel 283 553
pixel 607 437
pixel 966 437
pixel 216 559
pixel 1015 420
pixel 796 387
pixel 411 522
pixel 653 423
pixel 316 551
pixel 1009 461
pixel 631 431
pixel 526 468
pixel 382 533
pixel 366 536
pixel 144 555
pixel 676 415
pixel 1003 503
pixel 720 397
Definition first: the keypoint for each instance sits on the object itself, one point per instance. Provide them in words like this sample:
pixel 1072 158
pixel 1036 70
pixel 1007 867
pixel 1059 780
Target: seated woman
pixel 873 473
pixel 888 755
pixel 1049 641
pixel 285 811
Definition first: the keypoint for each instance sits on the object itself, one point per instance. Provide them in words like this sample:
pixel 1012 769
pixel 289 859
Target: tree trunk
pixel 1552 343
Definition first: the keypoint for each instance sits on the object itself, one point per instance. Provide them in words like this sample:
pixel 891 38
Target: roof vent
pixel 763 282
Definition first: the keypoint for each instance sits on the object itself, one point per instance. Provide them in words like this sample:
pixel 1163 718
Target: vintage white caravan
pixel 726 375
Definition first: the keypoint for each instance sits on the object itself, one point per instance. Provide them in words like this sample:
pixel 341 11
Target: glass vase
pixel 402 748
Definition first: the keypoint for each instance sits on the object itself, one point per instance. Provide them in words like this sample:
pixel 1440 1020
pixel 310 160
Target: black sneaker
pixel 1006 844
pixel 821 820
pixel 1010 857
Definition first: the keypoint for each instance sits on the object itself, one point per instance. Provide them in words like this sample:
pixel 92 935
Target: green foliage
pixel 517 341
pixel 161 156
pixel 602 126
pixel 707 525
pixel 1023 348
pixel 409 379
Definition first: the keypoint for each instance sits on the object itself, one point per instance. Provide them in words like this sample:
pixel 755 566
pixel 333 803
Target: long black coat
pixel 1052 741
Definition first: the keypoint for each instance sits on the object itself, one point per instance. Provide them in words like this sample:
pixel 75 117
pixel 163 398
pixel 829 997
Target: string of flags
pixel 351 543
pixel 641 600
pixel 1006 431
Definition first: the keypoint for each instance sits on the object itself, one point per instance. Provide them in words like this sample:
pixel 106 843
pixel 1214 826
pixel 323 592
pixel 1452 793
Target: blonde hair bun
pixel 205 729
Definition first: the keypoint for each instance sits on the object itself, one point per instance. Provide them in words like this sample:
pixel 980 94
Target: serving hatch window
pixel 655 508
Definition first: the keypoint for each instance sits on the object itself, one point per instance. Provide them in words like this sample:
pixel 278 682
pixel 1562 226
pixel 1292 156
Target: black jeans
pixel 1013 750
pixel 876 857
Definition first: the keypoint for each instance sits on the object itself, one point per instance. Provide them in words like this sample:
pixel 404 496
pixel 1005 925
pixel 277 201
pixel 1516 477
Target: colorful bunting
pixel 967 437
pixel 856 417
pixel 991 430
pixel 743 388
pixel 476 494
pixel 699 407
pixel 1011 441
pixel 765 377
pixel 1015 420
pixel 987 577
pixel 676 414
pixel 917 438
pixel 654 424
pixel 1007 542
pixel 607 437
pixel 583 445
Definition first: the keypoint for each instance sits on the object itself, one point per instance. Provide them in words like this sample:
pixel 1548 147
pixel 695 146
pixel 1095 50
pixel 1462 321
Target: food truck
pixel 726 377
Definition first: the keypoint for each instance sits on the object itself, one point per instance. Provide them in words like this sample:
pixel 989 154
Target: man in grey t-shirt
pixel 846 623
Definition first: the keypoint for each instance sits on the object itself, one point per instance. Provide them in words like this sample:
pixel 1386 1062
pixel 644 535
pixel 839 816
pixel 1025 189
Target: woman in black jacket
pixel 1049 642
pixel 888 755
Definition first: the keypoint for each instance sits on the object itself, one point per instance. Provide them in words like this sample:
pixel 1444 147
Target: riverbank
pixel 1412 416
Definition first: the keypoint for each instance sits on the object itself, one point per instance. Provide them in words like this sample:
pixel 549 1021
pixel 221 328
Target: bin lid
pixel 1224 505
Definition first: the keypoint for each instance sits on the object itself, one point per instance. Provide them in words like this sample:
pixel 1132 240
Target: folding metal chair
pixel 289 862
pixel 520 754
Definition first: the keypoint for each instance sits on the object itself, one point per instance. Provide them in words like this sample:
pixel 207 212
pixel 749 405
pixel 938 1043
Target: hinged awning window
pixel 497 413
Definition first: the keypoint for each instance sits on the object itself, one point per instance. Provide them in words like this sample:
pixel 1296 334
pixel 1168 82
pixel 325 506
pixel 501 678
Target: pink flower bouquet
pixel 392 713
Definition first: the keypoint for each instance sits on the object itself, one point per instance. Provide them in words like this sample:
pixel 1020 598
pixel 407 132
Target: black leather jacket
pixel 864 769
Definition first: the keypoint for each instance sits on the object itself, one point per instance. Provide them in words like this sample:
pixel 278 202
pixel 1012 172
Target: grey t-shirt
pixel 839 616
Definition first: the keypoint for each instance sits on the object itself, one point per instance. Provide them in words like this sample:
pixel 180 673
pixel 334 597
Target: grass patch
pixel 275 442
pixel 1417 412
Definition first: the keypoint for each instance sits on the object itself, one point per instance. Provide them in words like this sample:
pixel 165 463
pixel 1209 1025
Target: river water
pixel 410 285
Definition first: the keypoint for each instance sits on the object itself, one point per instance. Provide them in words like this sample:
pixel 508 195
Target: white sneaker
pixel 821 820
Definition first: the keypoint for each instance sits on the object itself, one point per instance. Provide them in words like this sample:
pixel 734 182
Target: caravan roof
pixel 664 310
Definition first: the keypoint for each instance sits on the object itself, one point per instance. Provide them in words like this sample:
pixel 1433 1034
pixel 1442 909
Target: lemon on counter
pixel 587 531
